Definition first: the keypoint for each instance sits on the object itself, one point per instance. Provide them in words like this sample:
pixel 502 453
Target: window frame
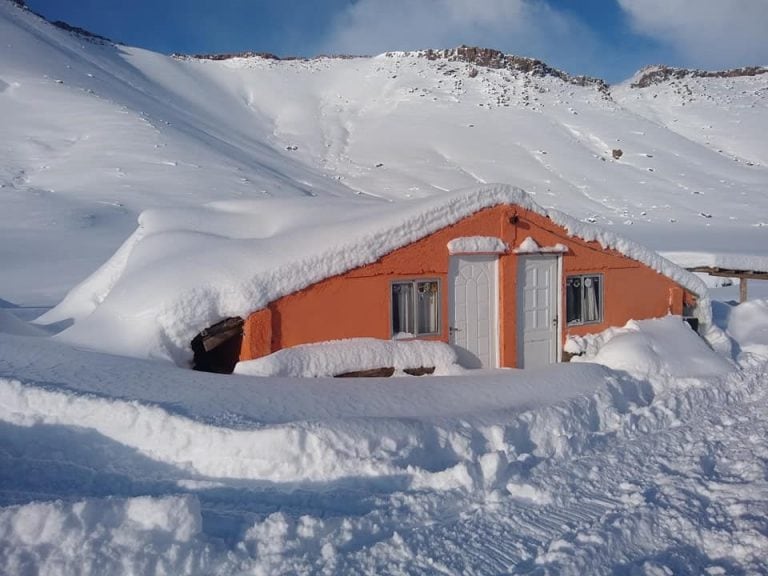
pixel 601 304
pixel 413 282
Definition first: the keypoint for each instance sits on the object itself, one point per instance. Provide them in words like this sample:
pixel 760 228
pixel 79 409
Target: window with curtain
pixel 584 299
pixel 415 307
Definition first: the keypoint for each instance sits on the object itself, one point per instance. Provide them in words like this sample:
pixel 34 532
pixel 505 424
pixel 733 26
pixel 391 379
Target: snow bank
pixel 402 432
pixel 572 466
pixel 353 355
pixel 719 260
pixel 184 269
pixel 655 349
pixel 450 433
pixel 285 453
pixel 110 536
pixel 747 325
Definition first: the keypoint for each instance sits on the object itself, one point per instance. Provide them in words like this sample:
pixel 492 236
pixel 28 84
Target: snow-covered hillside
pixel 93 133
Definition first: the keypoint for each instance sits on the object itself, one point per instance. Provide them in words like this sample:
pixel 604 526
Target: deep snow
pixel 647 465
pixel 647 456
pixel 691 177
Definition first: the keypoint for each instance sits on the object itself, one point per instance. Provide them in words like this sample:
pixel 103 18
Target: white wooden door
pixel 537 293
pixel 473 308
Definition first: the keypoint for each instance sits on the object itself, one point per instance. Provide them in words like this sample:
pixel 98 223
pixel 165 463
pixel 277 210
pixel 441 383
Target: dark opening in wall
pixel 217 348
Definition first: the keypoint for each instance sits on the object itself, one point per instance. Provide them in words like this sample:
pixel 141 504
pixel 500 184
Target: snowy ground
pixel 653 462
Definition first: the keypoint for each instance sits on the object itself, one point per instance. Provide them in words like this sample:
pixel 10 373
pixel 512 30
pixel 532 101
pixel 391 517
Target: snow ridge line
pixel 281 453
pixel 474 456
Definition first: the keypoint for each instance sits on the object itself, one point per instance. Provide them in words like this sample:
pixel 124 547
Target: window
pixel 584 299
pixel 415 307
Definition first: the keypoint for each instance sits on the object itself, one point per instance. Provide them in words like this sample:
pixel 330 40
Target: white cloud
pixel 525 27
pixel 707 33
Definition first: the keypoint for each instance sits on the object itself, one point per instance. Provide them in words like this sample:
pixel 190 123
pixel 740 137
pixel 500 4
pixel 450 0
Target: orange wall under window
pixel 357 303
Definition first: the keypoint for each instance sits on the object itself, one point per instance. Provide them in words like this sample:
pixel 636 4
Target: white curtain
pixel 402 307
pixel 591 291
pixel 427 307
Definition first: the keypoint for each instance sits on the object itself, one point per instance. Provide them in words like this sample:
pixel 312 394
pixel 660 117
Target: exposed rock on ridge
pixel 230 55
pixel 495 59
pixel 82 32
pixel 651 75
pixel 252 54
pixel 482 57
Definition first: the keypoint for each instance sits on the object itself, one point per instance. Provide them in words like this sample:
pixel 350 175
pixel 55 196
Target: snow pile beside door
pixel 653 349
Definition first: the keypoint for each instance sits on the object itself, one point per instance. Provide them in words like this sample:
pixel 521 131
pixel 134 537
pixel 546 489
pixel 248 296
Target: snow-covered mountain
pixel 93 133
pixel 647 457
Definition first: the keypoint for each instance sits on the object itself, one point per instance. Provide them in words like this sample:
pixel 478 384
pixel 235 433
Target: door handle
pixel 451 329
pixel 554 321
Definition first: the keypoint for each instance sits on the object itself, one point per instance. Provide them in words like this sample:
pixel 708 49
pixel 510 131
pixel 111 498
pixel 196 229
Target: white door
pixel 537 293
pixel 473 304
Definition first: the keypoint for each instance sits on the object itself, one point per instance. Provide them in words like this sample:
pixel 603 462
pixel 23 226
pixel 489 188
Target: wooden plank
pixel 420 371
pixel 742 289
pixel 374 373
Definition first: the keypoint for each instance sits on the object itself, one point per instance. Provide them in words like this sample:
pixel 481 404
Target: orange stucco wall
pixel 357 303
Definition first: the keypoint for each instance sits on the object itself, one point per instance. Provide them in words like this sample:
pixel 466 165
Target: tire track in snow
pixel 604 513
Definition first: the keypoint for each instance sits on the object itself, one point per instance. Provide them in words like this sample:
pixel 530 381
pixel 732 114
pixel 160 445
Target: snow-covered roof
pixel 740 262
pixel 184 269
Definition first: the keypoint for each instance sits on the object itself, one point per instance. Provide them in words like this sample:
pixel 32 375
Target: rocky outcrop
pixel 475 56
pixel 230 55
pixel 651 75
pixel 251 54
pixel 495 59
pixel 82 32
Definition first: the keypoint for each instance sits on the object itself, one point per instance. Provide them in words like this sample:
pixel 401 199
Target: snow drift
pixel 547 462
pixel 650 349
pixel 354 355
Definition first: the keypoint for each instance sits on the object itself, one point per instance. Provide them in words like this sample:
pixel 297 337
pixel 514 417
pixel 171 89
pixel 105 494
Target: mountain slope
pixel 94 133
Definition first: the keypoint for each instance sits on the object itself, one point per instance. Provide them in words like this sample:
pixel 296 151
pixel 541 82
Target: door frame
pixel 558 281
pixel 495 301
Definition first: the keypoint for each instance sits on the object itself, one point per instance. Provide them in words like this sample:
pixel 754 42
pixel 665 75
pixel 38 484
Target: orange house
pixel 505 283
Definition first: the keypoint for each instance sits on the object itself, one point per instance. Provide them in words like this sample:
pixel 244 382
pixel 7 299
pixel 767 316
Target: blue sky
pixel 606 38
